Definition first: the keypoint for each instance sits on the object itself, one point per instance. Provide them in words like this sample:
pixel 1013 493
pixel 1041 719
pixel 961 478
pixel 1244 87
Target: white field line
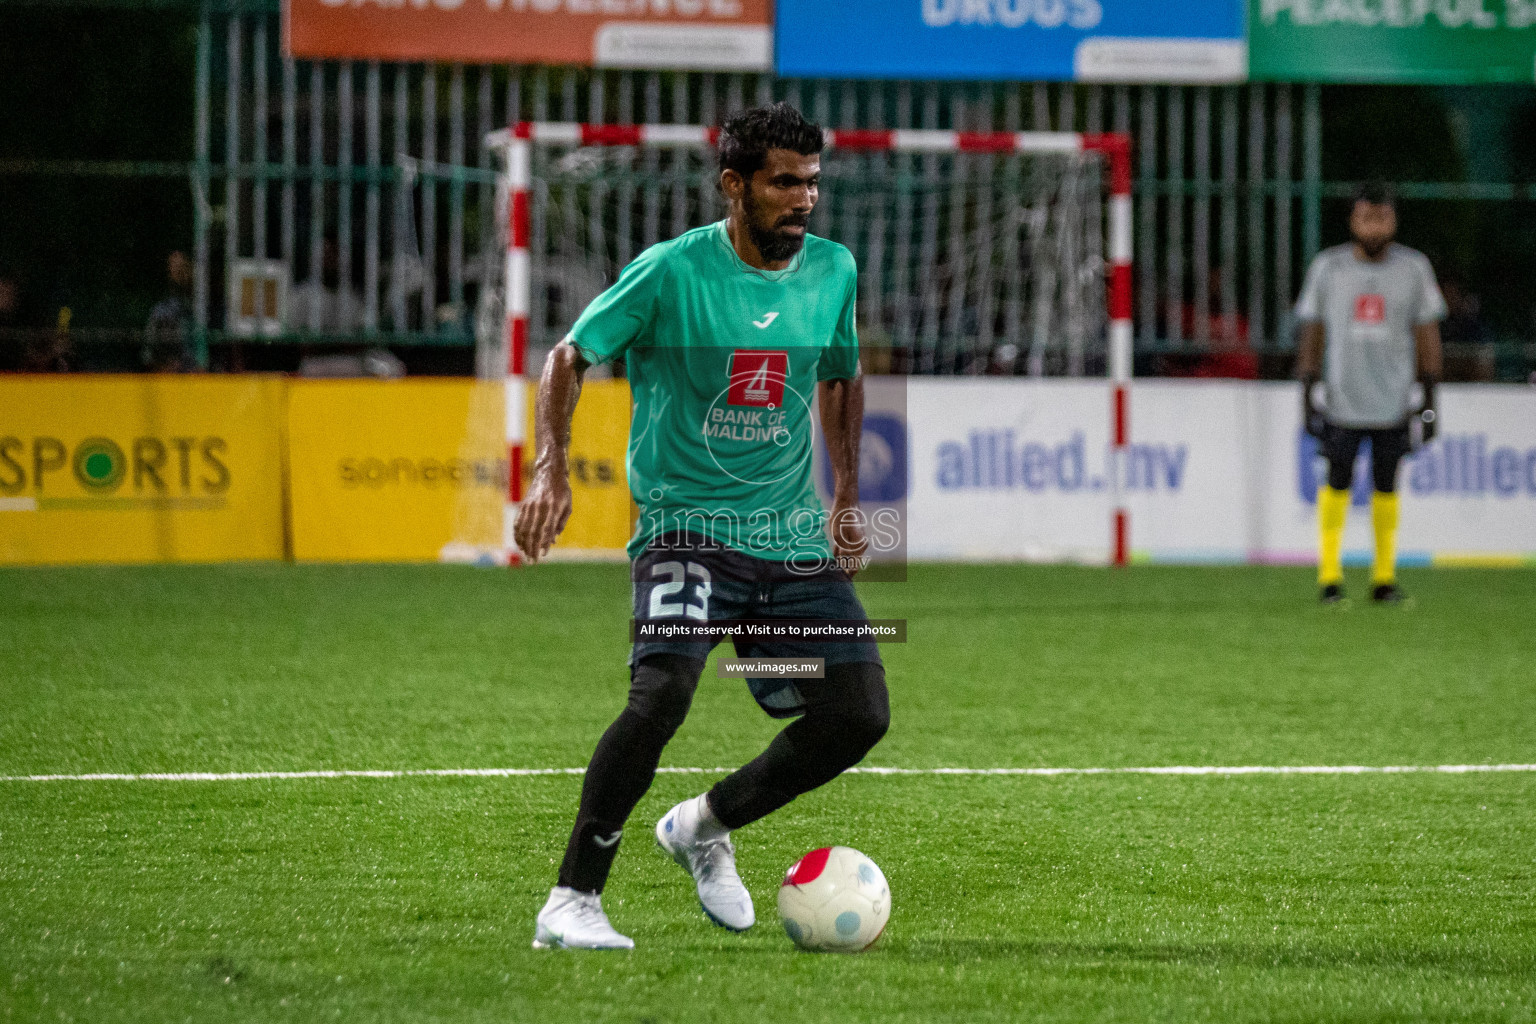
pixel 403 773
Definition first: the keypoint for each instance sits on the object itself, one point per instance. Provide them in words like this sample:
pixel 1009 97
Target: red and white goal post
pixel 517 143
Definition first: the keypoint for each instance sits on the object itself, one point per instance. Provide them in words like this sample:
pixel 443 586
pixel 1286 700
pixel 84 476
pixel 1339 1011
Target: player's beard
pixel 1374 247
pixel 773 243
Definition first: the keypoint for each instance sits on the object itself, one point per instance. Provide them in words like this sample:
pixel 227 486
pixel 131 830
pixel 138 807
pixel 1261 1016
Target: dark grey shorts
pixel 689 577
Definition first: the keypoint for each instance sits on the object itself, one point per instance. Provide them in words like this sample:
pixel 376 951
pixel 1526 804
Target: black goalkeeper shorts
pixel 693 579
pixel 1388 447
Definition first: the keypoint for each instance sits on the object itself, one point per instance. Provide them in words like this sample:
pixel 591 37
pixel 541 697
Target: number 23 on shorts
pixel 695 607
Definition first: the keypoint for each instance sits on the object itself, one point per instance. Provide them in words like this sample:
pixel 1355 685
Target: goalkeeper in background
pixel 1370 315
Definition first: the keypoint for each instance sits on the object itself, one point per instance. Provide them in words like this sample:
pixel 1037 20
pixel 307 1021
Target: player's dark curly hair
pixel 1375 192
pixel 746 138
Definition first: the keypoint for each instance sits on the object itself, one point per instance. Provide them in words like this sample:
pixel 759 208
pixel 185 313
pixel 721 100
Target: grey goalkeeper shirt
pixel 1369 309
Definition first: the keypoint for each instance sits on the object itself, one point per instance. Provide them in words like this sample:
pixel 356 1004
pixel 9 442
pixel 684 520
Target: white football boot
pixel 707 854
pixel 573 919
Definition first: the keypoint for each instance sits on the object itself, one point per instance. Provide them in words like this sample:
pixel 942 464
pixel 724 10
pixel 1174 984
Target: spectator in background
pixel 320 305
pixel 1228 354
pixel 51 352
pixel 168 335
pixel 28 349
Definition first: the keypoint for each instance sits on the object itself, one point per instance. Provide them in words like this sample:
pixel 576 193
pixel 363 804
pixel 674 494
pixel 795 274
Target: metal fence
pixel 364 185
pixel 369 184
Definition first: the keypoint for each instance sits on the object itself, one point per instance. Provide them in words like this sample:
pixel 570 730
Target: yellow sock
pixel 1332 506
pixel 1384 519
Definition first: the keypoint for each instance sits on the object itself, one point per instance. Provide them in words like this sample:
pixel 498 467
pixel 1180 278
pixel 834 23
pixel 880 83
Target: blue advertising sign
pixel 1081 40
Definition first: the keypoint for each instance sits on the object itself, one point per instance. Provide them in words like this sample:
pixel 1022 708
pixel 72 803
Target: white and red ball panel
pixel 834 899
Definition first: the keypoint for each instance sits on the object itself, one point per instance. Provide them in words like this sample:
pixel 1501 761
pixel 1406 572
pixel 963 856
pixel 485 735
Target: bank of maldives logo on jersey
pixel 757 378
pixel 1370 309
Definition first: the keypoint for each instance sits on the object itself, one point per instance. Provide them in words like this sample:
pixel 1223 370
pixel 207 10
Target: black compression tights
pixel 847 713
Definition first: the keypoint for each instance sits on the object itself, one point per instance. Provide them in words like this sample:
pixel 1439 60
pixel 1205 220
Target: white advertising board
pixel 1470 496
pixel 1008 469
pixel 1217 471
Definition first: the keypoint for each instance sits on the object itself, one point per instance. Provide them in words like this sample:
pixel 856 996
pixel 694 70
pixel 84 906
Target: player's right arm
pixel 606 329
pixel 1309 354
pixel 1309 366
pixel 544 513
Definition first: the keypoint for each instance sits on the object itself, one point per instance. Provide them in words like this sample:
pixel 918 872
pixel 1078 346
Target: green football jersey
pixel 723 361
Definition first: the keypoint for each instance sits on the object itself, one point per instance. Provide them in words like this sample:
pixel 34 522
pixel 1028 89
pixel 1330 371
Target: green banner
pixel 1423 41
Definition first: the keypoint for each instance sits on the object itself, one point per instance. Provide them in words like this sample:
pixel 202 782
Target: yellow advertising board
pixel 602 516
pixel 140 468
pixel 416 470
pixel 378 470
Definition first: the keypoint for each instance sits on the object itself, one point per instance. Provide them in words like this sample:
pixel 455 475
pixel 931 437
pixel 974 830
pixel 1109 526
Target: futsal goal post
pixel 978 252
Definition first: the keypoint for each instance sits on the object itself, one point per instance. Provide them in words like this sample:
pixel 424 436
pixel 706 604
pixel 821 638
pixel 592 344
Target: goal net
pixel 978 253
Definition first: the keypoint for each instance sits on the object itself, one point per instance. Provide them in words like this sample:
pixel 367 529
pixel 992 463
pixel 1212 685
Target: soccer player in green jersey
pixel 730 333
pixel 1370 313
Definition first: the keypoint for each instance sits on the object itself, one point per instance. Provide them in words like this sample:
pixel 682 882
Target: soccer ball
pixel 834 900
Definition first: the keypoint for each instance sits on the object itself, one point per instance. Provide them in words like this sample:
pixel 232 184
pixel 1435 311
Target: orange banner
pixel 721 35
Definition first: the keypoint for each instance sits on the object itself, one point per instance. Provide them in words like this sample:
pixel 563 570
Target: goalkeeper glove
pixel 1428 416
pixel 1311 417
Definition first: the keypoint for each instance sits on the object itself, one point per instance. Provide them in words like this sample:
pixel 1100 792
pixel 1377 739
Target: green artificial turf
pixel 1070 898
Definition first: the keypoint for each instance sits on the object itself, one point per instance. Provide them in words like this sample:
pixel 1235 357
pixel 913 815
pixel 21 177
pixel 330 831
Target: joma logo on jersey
pixel 1370 309
pixel 757 378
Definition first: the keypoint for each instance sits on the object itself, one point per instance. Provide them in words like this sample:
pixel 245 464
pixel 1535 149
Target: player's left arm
pixel 841 402
pixel 840 395
pixel 1427 354
pixel 1426 342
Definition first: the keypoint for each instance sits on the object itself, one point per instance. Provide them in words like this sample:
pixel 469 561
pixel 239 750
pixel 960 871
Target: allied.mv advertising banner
pixel 1215 472
pixel 1065 40
pixel 705 35
pixel 1407 41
